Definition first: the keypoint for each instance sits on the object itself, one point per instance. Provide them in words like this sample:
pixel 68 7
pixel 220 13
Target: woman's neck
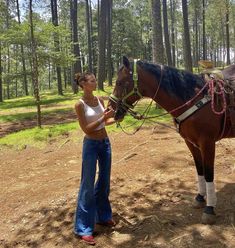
pixel 88 96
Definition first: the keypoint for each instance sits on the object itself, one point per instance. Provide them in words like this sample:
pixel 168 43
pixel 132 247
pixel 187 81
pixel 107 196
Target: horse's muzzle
pixel 121 110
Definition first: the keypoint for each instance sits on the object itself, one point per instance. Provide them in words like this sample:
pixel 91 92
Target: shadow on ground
pixel 148 217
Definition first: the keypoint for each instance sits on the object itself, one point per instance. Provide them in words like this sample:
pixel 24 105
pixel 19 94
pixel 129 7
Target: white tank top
pixel 94 113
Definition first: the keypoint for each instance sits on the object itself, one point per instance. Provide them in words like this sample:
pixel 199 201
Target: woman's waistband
pixel 96 140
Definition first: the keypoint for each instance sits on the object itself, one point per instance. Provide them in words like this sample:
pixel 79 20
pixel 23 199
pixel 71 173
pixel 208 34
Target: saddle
pixel 228 77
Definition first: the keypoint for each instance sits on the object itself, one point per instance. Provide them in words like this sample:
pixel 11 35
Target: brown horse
pixel 185 96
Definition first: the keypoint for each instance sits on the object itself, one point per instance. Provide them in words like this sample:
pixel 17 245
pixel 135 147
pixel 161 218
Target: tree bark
pixel 203 30
pixel 1 92
pixel 34 66
pixel 88 24
pixel 76 48
pixel 196 38
pixel 8 53
pixel 166 33
pixel 57 44
pixel 94 57
pixel 172 3
pixel 109 43
pixel 157 41
pixel 227 33
pixel 102 45
pixel 25 83
pixel 187 44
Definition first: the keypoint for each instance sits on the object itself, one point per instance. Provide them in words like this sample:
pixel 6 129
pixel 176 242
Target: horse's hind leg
pixel 196 153
pixel 208 157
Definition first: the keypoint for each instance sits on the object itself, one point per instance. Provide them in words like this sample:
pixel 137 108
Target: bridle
pixel 122 102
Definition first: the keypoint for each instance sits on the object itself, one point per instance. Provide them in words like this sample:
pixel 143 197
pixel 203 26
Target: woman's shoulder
pixel 79 104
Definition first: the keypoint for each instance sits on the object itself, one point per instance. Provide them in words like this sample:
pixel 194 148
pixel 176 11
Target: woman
pixel 93 203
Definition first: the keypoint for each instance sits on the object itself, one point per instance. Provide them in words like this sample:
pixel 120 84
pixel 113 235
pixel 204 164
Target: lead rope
pixel 212 92
pixel 221 92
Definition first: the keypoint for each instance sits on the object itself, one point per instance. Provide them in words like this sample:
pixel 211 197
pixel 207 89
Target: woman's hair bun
pixel 77 77
pixel 80 77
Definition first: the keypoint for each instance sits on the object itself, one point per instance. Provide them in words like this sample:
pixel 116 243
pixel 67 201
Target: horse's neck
pixel 166 101
pixel 160 96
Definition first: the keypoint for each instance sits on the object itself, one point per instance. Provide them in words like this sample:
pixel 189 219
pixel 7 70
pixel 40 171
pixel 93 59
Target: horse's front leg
pixel 199 201
pixel 208 157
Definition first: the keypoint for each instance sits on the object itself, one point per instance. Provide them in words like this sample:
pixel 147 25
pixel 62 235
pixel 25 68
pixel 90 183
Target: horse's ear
pixel 126 62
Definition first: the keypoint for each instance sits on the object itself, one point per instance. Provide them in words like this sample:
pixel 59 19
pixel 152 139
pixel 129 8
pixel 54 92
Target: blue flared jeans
pixel 93 204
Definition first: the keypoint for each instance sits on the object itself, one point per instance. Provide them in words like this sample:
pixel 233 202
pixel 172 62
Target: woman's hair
pixel 81 77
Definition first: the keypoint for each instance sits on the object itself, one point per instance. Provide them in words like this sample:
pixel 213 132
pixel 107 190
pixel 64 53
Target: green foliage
pixel 124 40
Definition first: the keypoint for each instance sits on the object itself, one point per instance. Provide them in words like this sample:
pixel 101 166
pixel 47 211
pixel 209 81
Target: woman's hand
pixel 108 113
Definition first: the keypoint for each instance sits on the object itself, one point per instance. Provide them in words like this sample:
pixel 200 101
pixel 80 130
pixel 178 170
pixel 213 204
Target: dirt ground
pixel 152 189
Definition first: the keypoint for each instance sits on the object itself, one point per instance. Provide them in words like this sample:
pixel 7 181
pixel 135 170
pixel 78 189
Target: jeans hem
pixel 82 234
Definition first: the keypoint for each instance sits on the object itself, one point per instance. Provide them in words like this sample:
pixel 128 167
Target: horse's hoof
pixel 208 217
pixel 199 202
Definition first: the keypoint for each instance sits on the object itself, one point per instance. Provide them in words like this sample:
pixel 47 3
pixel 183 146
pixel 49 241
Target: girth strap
pixel 192 110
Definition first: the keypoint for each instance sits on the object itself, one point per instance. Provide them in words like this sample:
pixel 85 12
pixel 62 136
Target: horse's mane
pixel 179 83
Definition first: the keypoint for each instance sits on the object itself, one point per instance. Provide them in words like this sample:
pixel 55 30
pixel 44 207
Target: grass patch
pixel 37 137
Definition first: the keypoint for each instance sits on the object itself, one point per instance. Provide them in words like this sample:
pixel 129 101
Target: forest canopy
pixel 80 35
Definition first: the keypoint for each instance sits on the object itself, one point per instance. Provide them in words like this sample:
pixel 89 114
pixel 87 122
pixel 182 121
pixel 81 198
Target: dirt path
pixel 153 184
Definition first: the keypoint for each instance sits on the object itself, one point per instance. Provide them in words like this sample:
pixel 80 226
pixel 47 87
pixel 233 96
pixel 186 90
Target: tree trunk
pixel 109 43
pixel 166 33
pixel 65 78
pixel 76 49
pixel 172 2
pixel 77 67
pixel 8 72
pixel 88 23
pixel 187 44
pixel 35 66
pixel 1 93
pixel 94 57
pixel 102 45
pixel 57 44
pixel 227 33
pixel 16 47
pixel 203 30
pixel 8 53
pixel 25 83
pixel 157 43
pixel 196 37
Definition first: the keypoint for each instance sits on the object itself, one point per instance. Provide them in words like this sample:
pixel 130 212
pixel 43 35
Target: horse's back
pixel 229 73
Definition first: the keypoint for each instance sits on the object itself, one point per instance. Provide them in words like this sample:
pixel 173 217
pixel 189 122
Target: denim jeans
pixel 93 204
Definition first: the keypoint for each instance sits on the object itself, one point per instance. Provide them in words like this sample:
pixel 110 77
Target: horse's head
pixel 126 91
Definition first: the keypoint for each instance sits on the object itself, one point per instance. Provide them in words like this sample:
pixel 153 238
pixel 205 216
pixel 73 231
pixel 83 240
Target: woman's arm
pixel 87 128
pixel 110 120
